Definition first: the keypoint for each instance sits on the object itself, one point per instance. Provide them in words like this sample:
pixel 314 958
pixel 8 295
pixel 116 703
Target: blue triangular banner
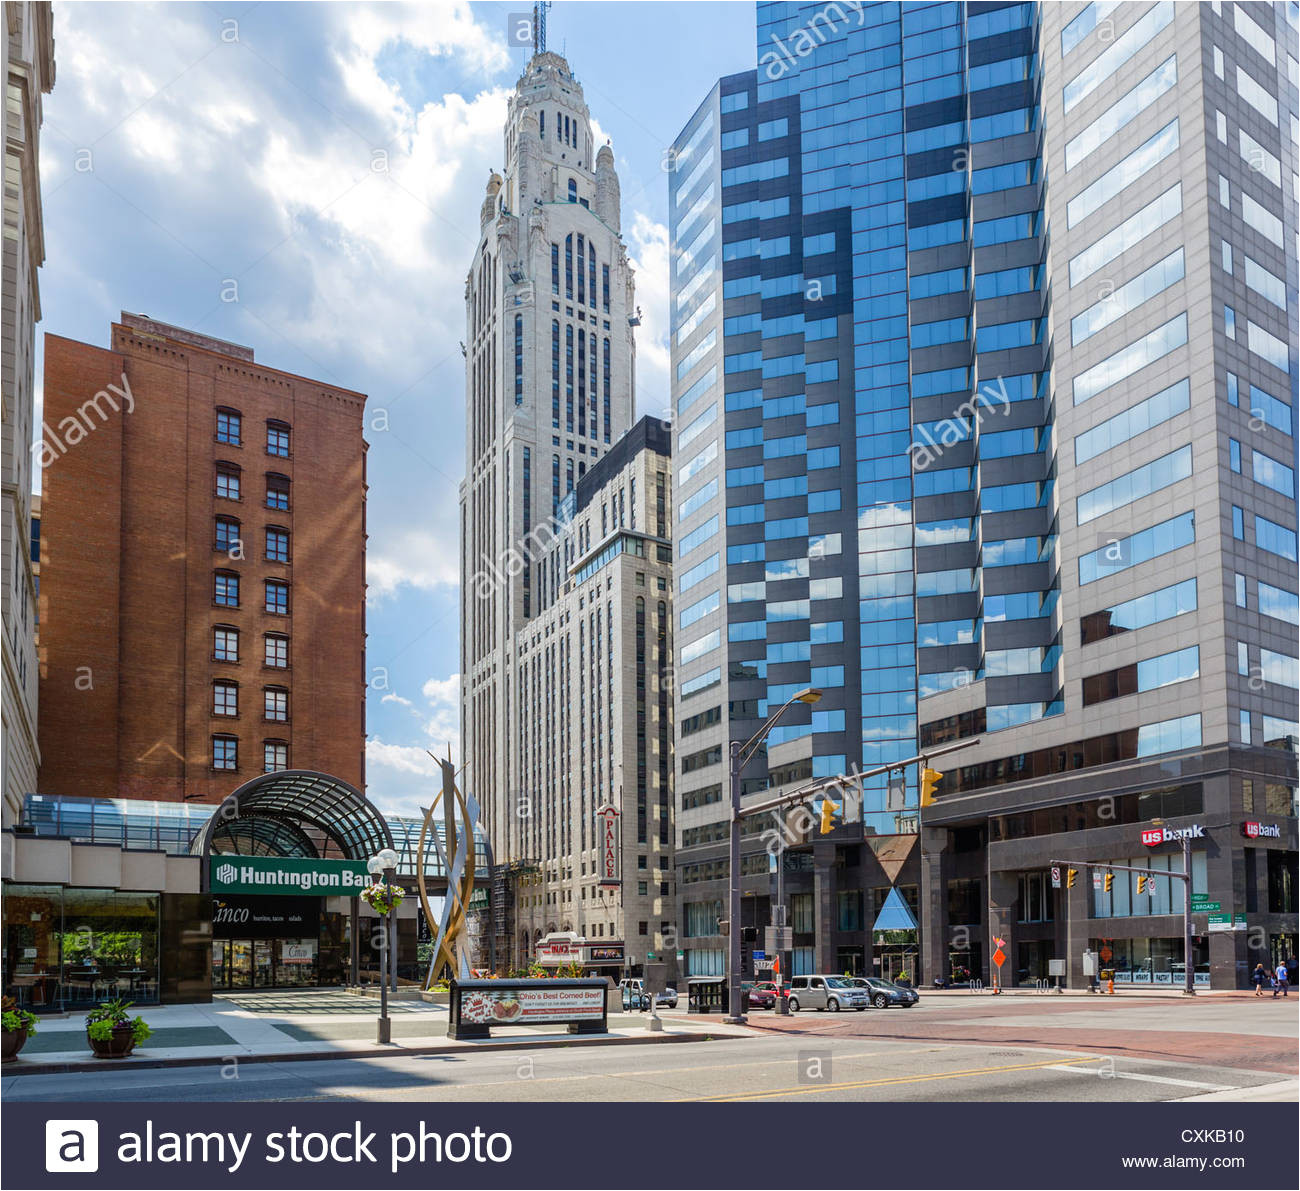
pixel 894 914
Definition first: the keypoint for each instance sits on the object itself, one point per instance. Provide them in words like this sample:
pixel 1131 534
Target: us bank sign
pixel 280 875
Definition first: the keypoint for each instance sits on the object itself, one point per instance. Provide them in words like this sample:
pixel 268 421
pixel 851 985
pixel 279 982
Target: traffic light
pixel 828 816
pixel 1142 883
pixel 1108 880
pixel 930 779
pixel 1071 875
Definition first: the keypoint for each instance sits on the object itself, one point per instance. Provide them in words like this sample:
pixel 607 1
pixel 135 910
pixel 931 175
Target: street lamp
pixel 740 755
pixel 383 863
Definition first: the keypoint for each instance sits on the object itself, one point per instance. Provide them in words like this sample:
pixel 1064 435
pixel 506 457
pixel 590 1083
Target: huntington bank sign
pixel 279 875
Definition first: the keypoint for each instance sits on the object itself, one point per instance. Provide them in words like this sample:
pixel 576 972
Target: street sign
pixel 1227 922
pixel 1096 878
pixel 1202 905
pixel 778 938
pixel 758 955
pixel 999 942
pixel 1056 876
pixel 1056 967
pixel 763 965
pixel 999 957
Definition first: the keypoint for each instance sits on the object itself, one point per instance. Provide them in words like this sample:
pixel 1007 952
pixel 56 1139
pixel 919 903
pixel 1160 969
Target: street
pixel 947 1048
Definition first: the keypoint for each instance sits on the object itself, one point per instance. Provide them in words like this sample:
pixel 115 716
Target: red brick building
pixel 202 601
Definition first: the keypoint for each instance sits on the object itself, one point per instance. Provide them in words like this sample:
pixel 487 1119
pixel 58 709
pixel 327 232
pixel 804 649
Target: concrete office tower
pixel 29 74
pixel 593 670
pixel 550 375
pixel 1171 158
pixel 202 569
pixel 875 343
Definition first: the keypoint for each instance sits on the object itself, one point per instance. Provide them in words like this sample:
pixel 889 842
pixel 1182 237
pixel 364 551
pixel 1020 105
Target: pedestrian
pixel 1283 980
pixel 1258 979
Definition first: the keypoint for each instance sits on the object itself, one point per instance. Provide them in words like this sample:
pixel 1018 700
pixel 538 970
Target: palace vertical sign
pixel 607 833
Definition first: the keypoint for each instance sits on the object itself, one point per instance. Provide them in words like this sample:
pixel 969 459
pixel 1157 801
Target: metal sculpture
pixel 456 851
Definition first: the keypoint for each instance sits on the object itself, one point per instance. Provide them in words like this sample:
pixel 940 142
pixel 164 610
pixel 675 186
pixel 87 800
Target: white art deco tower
pixel 549 389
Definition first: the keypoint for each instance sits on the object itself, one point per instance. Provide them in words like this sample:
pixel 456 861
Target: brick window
pixel 230 426
pixel 277 491
pixel 275 756
pixel 277 544
pixel 226 590
pixel 276 651
pixel 277 439
pixel 225 752
pixel 277 597
pixel 225 644
pixel 227 481
pixel 225 698
pixel 276 702
pixel 227 536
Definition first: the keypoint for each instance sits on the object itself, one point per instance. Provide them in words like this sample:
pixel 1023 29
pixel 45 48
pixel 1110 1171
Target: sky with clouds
pixel 323 164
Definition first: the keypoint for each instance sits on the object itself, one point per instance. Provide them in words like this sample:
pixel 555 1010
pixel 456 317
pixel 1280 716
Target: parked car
pixel 884 993
pixel 667 997
pixel 832 993
pixel 761 996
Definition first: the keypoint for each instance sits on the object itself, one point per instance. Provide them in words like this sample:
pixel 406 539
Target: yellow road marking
pixel 805 1090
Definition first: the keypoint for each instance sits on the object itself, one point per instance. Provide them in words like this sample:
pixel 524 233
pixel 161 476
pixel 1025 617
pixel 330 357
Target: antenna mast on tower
pixel 539 26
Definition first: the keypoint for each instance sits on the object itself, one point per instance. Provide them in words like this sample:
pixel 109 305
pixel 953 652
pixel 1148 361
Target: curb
pixel 30 1067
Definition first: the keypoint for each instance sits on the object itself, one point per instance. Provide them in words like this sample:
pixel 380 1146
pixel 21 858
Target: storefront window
pixel 33 915
pixel 1163 896
pixel 1151 961
pixel 70 948
pixel 110 946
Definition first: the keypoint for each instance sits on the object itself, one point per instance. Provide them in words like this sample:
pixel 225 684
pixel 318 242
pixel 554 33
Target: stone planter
pixel 13 1042
pixel 119 1046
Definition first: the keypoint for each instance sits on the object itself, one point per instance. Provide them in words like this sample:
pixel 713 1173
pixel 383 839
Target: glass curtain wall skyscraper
pixel 867 342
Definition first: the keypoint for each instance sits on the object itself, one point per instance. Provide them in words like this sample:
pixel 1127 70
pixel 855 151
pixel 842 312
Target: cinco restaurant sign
pixel 284 875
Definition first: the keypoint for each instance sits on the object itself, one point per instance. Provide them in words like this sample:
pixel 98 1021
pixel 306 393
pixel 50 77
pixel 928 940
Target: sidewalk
pixel 223 1033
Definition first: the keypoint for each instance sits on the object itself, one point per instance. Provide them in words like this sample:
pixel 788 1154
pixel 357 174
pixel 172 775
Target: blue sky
pixel 329 160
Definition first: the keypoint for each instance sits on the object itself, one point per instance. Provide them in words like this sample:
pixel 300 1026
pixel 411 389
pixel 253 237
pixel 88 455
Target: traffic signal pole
pixel 1189 976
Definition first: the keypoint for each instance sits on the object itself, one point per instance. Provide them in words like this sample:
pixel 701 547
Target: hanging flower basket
pixel 383 899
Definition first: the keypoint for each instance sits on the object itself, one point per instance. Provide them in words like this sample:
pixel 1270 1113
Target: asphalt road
pixel 1016 1050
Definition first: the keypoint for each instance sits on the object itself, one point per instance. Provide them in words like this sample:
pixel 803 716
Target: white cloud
pixel 401 778
pixel 443 723
pixel 406 557
pixel 648 244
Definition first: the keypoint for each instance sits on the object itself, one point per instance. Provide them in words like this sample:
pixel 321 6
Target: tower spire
pixel 539 26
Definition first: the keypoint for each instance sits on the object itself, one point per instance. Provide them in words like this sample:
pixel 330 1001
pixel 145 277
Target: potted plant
pixel 112 1032
pixel 19 1025
pixel 903 980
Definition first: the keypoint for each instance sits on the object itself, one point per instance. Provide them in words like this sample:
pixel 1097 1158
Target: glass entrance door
pixel 239 963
